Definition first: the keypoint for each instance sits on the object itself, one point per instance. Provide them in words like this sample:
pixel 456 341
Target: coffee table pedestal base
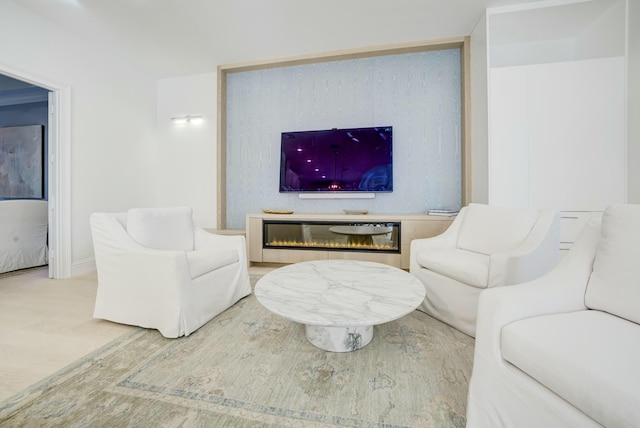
pixel 339 339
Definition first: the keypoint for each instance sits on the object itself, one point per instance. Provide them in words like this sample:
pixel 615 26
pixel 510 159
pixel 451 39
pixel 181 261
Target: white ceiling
pixel 170 38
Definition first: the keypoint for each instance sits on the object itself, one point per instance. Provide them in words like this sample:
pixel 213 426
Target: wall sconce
pixel 183 120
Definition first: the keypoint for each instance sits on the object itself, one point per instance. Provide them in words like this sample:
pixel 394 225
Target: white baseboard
pixel 83 267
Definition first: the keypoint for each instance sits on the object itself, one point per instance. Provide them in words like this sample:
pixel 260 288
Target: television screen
pixel 337 160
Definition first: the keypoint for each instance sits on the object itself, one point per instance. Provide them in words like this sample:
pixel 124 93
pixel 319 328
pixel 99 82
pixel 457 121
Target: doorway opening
pixel 56 163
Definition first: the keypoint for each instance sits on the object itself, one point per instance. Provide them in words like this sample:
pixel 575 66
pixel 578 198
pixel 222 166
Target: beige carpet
pixel 251 368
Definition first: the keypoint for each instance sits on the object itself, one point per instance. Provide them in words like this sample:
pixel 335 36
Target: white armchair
pixel 485 247
pixel 156 269
pixel 563 350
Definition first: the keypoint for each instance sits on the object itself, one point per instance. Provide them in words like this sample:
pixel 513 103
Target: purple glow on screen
pixel 351 160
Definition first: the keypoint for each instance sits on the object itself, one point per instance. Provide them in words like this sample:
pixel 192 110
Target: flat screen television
pixel 337 160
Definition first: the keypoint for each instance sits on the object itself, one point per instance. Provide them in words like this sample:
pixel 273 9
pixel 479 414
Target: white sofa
pixel 564 350
pixel 156 269
pixel 23 234
pixel 486 246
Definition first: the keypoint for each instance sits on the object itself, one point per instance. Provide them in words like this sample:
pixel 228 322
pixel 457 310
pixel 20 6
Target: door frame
pixel 59 162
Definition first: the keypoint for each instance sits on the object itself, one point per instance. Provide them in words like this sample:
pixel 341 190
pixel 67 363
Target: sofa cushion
pixel 465 266
pixel 489 229
pixel 614 285
pixel 205 261
pixel 162 228
pixel 589 358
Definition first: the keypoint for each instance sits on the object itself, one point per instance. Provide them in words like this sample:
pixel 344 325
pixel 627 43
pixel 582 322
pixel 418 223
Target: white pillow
pixel 489 229
pixel 162 228
pixel 614 286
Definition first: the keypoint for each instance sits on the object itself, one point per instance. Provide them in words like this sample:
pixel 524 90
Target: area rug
pixel 250 368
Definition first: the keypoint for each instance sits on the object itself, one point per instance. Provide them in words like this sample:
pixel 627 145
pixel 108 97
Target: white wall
pixel 187 160
pixel 633 113
pixel 479 114
pixel 113 165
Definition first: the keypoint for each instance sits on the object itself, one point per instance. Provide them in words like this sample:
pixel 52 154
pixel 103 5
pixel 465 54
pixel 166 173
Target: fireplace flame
pixel 330 245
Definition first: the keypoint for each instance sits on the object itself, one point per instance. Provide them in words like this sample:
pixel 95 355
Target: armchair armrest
pixel 149 270
pixel 538 253
pixel 446 239
pixel 561 290
pixel 207 240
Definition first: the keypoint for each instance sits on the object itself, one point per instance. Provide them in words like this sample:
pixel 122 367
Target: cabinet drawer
pixel 572 222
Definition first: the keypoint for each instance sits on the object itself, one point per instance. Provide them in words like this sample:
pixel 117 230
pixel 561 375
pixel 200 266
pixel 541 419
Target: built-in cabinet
pixel 556 94
pixel 557 135
pixel 571 223
pixel 326 236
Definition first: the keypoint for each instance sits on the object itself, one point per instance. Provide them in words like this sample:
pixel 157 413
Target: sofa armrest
pixel 537 255
pixel 561 290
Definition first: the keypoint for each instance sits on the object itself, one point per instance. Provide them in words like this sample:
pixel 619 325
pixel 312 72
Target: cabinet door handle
pixel 570 217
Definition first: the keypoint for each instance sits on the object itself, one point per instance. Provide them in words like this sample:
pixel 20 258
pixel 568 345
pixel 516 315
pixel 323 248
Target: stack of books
pixel 447 213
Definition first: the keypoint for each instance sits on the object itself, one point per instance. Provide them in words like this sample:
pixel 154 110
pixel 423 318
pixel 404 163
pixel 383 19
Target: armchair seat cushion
pixel 467 267
pixel 588 358
pixel 204 261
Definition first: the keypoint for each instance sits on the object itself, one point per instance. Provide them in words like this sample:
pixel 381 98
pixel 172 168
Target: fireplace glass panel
pixel 339 236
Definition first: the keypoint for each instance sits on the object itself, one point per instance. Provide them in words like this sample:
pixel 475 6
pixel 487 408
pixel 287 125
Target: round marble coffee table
pixel 339 301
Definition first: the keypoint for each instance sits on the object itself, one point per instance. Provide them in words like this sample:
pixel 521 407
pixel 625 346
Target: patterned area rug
pixel 250 368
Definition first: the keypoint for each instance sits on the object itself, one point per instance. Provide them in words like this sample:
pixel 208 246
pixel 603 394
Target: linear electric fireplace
pixel 381 237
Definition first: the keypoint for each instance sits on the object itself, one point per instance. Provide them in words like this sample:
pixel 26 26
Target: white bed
pixel 23 234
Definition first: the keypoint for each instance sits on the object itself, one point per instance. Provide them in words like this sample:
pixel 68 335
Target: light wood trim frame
pixel 221 151
pixel 462 43
pixel 465 136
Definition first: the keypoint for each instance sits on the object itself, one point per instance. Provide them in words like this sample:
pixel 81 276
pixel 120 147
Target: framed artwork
pixel 22 162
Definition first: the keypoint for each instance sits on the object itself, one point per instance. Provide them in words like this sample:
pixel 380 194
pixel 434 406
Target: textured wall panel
pixel 418 94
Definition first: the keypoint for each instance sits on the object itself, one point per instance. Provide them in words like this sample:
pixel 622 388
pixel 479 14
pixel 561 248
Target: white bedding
pixel 23 234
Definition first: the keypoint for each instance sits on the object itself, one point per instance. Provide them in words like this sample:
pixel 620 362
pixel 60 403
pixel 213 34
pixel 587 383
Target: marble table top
pixel 340 293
